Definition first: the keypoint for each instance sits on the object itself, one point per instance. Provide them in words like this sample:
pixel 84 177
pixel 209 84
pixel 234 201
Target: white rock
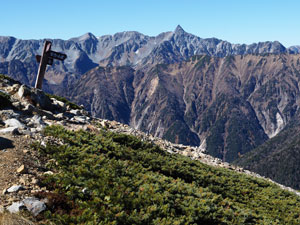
pixel 15 207
pixel 23 91
pixel 13 123
pixel 75 111
pixel 49 173
pixel 34 205
pixel 9 130
pixel 15 188
pixel 81 119
pixel 37 121
pixel 59 116
pixel 58 103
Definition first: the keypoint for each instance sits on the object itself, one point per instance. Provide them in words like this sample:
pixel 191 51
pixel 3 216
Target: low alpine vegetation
pixel 108 178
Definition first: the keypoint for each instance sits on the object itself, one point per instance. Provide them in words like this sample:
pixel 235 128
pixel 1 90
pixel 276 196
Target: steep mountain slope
pixel 278 158
pixel 83 170
pixel 230 105
pixel 107 91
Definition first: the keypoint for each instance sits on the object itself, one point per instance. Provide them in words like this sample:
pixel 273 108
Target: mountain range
pixel 226 98
pixel 125 48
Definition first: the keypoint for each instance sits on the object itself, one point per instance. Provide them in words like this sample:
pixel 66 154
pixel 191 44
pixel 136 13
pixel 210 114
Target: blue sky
pixel 237 21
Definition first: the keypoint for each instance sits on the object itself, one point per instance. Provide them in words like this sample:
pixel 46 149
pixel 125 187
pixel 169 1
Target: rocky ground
pixel 21 124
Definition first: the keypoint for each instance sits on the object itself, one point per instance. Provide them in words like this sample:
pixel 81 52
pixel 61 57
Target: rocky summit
pixel 24 113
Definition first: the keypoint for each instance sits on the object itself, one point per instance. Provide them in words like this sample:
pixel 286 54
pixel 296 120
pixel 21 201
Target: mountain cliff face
pixel 227 105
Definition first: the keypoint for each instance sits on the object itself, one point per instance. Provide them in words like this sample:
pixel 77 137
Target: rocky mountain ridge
pixel 27 112
pixel 17 57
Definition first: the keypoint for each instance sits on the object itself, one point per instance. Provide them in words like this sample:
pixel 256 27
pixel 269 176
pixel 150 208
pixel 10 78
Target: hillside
pixel 107 178
pixel 278 158
pixel 227 105
pixel 85 170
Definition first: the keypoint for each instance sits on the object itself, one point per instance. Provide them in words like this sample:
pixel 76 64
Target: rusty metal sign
pixel 45 59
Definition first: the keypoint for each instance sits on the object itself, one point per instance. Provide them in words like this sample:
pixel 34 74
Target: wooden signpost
pixel 45 59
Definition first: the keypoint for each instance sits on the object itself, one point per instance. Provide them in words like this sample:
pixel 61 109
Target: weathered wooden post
pixel 44 60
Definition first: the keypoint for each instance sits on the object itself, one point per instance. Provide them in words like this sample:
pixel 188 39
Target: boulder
pixel 15 207
pixel 13 123
pixel 10 130
pixel 34 205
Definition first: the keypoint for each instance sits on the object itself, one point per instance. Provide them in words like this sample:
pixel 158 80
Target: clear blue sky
pixel 237 21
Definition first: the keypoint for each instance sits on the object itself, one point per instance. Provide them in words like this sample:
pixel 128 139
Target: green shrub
pixel 109 178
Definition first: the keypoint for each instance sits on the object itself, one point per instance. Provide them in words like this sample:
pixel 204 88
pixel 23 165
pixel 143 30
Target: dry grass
pixel 13 219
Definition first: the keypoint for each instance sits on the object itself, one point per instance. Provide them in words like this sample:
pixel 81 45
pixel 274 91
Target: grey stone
pixel 81 119
pixel 59 116
pixel 8 114
pixel 23 91
pixel 13 123
pixel 16 207
pixel 37 121
pixel 10 130
pixel 75 112
pixel 58 103
pixel 34 205
pixel 15 188
pixel 41 99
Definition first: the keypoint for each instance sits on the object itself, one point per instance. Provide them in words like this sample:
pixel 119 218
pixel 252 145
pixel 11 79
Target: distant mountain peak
pixel 179 30
pixel 86 36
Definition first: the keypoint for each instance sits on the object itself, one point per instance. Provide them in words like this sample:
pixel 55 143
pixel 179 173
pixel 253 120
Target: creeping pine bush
pixel 109 178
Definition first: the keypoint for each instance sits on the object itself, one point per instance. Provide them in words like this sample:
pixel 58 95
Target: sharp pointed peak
pixel 179 30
